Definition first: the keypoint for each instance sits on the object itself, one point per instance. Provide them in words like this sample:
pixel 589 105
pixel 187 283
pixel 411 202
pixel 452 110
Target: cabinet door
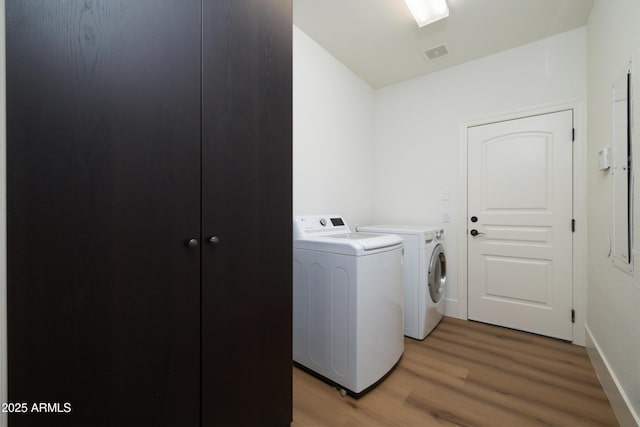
pixel 103 176
pixel 246 205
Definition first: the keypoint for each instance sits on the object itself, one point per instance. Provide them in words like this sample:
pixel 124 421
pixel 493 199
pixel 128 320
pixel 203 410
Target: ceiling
pixel 380 41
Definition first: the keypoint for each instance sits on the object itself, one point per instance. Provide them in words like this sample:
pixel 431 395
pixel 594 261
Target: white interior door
pixel 520 196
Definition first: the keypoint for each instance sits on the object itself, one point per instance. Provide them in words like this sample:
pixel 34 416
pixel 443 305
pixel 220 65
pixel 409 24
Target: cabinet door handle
pixel 192 243
pixel 214 240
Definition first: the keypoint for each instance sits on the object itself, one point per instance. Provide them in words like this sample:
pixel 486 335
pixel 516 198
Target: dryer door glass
pixel 437 274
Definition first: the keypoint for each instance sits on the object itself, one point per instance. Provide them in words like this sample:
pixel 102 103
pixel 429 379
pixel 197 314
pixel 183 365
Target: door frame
pixel 579 206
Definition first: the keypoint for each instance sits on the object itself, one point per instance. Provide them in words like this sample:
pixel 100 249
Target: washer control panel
pixel 318 225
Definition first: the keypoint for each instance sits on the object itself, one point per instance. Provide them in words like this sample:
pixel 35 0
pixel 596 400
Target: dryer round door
pixel 437 274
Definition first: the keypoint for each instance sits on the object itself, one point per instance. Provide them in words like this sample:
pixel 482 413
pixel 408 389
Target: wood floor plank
pixel 515 365
pixel 529 345
pixel 468 374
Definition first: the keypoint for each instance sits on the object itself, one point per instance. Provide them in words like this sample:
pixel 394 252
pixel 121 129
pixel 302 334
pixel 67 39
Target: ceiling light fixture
pixel 426 12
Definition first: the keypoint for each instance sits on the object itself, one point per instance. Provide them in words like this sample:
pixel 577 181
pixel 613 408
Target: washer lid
pixel 350 243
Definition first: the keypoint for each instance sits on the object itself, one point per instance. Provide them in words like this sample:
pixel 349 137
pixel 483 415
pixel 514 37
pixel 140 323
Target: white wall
pixel 418 128
pixel 332 135
pixel 613 321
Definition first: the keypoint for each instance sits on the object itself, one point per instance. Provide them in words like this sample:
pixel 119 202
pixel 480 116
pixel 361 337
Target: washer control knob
pixel 323 222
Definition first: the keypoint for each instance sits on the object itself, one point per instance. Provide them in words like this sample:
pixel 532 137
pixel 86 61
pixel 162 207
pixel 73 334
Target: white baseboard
pixel 618 398
pixel 451 307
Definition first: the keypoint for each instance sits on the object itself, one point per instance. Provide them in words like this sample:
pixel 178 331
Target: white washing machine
pixel 347 302
pixel 424 275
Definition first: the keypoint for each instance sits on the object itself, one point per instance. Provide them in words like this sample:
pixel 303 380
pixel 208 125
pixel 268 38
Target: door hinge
pixel 573 316
pixel 573 134
pixel 573 225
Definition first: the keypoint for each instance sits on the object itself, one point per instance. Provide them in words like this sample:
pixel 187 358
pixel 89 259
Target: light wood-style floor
pixel 468 374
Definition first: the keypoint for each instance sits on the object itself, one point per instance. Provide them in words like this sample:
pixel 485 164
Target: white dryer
pixel 347 302
pixel 424 275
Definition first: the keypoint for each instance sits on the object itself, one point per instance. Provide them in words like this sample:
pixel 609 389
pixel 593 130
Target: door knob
pixel 192 243
pixel 474 219
pixel 214 240
pixel 475 233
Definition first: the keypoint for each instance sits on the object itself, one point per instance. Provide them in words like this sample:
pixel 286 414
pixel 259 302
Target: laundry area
pixel 319 213
pixel 468 135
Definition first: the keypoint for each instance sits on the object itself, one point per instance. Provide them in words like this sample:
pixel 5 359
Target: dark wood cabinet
pixel 134 127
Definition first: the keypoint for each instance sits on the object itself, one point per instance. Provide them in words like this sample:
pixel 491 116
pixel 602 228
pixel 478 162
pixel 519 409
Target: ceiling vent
pixel 436 52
